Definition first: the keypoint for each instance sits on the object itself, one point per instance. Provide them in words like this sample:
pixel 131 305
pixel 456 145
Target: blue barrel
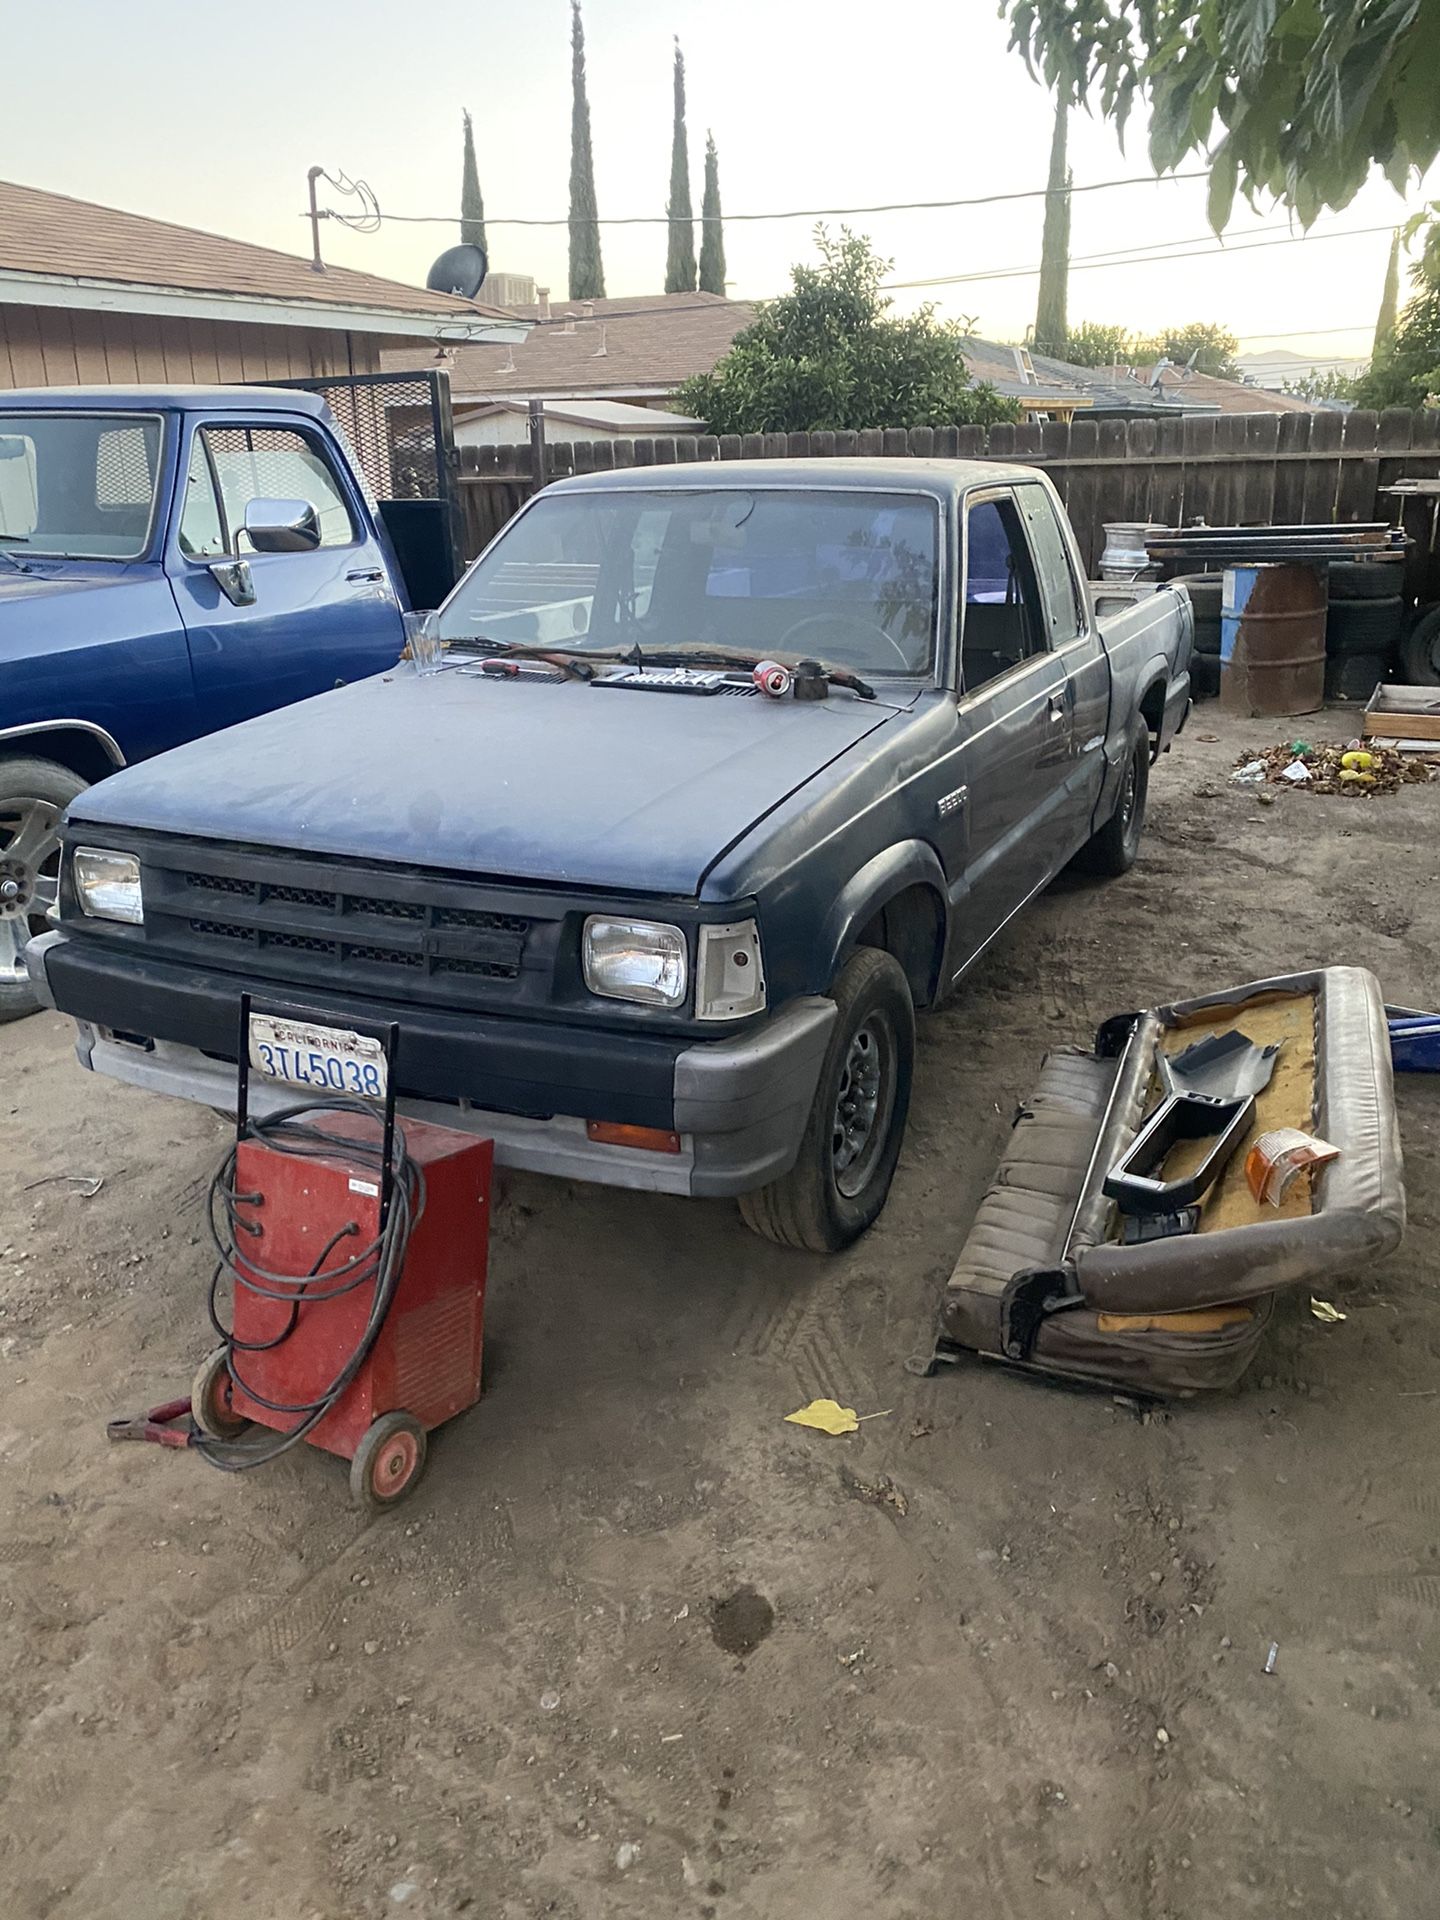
pixel 1272 639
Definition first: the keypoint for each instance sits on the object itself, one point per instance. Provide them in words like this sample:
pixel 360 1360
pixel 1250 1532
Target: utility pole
pixel 317 264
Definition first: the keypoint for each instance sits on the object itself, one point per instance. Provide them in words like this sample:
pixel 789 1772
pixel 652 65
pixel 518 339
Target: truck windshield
pixel 81 485
pixel 852 577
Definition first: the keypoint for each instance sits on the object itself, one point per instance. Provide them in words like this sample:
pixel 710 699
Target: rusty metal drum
pixel 1272 639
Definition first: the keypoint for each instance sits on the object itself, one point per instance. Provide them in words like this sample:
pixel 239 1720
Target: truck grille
pixel 426 936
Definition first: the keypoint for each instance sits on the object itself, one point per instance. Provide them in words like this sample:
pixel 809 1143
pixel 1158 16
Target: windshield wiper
pixel 14 558
pixel 744 662
pixel 570 660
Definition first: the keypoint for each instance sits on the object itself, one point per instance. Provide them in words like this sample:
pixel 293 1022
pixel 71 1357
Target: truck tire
pixel 1364 580
pixel 33 796
pixel 1111 850
pixel 1420 651
pixel 842 1174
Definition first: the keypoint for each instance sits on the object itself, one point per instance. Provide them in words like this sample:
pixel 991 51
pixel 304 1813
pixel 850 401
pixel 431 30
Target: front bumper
pixel 739 1105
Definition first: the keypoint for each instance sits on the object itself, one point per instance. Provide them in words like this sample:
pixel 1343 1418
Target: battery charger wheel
pixel 388 1462
pixel 210 1398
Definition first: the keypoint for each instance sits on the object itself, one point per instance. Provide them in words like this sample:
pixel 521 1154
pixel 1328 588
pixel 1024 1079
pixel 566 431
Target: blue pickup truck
pixel 644 909
pixel 172 561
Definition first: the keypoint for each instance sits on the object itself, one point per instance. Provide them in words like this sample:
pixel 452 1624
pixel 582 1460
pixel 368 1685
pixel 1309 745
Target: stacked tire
pixel 1207 591
pixel 1363 626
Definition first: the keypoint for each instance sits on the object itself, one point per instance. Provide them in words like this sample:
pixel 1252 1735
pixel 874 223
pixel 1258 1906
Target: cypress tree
pixel 1051 322
pixel 472 204
pixel 1390 298
pixel 712 231
pixel 680 260
pixel 587 274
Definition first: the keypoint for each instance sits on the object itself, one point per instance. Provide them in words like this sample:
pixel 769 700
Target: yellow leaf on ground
pixel 827 1416
pixel 1323 1310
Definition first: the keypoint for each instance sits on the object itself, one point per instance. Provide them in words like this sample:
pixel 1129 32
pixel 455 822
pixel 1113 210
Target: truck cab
pixel 172 561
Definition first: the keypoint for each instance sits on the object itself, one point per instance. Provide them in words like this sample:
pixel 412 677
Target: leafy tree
pixel 829 355
pixel 1330 385
pixel 587 273
pixel 712 230
pixel 472 206
pixel 1389 297
pixel 680 261
pixel 1405 371
pixel 1309 94
pixel 1050 321
pixel 1213 347
pixel 1095 344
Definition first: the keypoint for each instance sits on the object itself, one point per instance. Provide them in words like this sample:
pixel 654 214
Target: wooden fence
pixel 1227 469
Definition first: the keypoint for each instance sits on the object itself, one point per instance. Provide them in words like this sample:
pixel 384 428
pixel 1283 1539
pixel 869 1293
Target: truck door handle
pixel 367 573
pixel 1058 709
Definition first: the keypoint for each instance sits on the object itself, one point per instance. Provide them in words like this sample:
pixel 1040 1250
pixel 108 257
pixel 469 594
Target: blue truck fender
pixel 899 868
pixel 79 744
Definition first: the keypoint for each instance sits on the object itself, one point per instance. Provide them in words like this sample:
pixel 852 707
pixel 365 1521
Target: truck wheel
pixel 852 1140
pixel 1420 652
pixel 33 796
pixel 1111 851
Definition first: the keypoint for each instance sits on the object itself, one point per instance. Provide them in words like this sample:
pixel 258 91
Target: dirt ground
pixel 638 1649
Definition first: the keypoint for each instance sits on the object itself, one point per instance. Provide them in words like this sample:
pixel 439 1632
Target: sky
pixel 212 116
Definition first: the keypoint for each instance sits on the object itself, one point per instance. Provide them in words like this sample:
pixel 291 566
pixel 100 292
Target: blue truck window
pixel 78 484
pixel 202 527
pixel 277 463
pixel 853 576
pixel 1003 620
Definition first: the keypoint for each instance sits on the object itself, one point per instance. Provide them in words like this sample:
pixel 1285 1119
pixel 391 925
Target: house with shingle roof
pixel 92 295
pixel 638 350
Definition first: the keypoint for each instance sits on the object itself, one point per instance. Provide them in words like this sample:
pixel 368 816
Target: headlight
pixel 640 960
pixel 107 885
pixel 729 976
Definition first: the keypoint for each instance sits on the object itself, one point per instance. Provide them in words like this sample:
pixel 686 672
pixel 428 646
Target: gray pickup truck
pixel 637 917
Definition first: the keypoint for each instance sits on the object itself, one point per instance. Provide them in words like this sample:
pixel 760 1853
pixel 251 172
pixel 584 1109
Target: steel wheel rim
pixel 1128 795
pixel 395 1466
pixel 29 878
pixel 864 1102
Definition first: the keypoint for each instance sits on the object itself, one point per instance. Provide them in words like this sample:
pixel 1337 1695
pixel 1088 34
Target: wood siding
pixel 54 347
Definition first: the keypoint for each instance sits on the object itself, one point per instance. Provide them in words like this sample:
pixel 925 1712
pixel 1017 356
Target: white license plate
pixel 324 1059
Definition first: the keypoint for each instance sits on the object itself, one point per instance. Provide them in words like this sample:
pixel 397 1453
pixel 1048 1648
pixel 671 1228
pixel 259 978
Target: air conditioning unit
pixel 508 290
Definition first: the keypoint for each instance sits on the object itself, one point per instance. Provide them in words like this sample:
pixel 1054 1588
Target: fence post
pixel 537 443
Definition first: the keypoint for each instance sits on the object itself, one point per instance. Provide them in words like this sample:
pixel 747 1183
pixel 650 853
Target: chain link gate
pixel 401 436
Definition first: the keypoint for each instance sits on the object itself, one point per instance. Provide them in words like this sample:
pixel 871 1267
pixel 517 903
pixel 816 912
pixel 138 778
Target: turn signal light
pixel 612 1133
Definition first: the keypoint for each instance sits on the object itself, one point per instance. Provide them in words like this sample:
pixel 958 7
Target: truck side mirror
pixel 282 526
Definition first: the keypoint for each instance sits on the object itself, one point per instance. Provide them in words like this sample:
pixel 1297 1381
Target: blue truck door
pixel 1074 638
pixel 319 616
pixel 1002 818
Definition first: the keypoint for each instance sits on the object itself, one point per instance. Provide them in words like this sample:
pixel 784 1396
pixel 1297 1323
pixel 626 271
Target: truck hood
pixel 562 783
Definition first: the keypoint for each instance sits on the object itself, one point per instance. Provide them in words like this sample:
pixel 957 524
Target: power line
pixel 1108 256
pixel 1304 333
pixel 793 213
pixel 1135 258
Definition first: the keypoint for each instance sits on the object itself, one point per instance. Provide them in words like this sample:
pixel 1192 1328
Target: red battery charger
pixel 424 1365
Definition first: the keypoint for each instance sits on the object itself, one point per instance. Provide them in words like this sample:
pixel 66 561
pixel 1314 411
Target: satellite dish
pixel 459 270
